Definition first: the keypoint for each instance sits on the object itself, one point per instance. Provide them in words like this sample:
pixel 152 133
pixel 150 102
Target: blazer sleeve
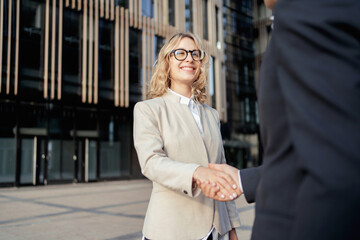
pixel 154 163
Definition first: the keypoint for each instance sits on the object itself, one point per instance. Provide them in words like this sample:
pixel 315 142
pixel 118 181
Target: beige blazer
pixel 170 148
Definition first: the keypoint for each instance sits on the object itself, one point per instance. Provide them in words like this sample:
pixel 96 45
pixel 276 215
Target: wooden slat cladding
pixel 92 13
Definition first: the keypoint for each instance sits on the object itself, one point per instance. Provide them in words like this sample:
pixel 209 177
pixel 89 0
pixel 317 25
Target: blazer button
pixel 185 191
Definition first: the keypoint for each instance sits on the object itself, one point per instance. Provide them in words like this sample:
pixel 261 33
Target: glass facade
pixel 241 130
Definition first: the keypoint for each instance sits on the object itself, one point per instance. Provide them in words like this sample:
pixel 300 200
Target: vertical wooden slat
pixel 152 50
pixel 53 42
pixel 131 10
pixel 144 75
pixel 148 50
pixel 73 4
pixel 122 56
pixel 84 53
pixel 91 47
pixel 107 9
pixel 79 5
pixel 16 70
pixel 96 52
pixel 135 13
pixel 67 3
pixel 139 14
pixel 116 60
pixel 126 58
pixel 112 10
pixel 46 50
pixel 1 37
pixel 9 50
pixel 101 8
pixel 59 77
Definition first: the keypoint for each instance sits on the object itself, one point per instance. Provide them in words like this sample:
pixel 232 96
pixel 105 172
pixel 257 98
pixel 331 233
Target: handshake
pixel 218 181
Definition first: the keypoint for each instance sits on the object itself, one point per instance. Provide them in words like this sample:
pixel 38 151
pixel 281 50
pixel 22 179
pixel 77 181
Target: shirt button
pixel 185 192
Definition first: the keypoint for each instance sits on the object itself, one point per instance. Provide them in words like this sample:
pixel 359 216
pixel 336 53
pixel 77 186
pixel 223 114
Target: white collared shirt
pixel 194 109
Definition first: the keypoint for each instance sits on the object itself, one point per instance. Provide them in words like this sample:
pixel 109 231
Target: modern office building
pixel 72 70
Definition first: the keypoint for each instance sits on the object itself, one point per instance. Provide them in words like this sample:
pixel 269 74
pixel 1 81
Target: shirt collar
pixel 183 99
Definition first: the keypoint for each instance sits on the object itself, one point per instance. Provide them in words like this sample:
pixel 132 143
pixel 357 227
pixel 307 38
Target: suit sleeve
pixel 154 163
pixel 250 178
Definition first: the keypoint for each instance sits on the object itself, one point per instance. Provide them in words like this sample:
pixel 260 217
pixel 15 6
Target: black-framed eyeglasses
pixel 181 54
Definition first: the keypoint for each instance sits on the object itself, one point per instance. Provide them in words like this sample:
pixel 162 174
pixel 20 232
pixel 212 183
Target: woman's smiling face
pixel 184 72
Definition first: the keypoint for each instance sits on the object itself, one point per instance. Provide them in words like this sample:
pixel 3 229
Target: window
pixel 135 51
pixel 205 19
pixel 31 50
pixel 212 84
pixel 147 8
pixel 72 50
pixel 188 16
pixel 106 62
pixel 171 12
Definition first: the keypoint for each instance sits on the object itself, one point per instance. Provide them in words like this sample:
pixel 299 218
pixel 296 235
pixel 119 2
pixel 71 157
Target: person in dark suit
pixel 308 187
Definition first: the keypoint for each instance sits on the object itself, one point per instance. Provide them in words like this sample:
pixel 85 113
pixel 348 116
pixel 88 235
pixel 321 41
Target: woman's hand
pixel 216 184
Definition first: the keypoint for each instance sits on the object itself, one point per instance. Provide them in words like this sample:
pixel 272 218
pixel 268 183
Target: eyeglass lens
pixel 181 54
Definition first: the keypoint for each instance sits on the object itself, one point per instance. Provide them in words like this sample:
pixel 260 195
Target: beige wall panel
pixel 1 37
pixel 91 48
pixel 122 55
pixel 96 52
pixel 116 60
pixel 53 45
pixel 16 70
pixel 126 58
pixel 46 50
pixel 84 52
pixel 59 78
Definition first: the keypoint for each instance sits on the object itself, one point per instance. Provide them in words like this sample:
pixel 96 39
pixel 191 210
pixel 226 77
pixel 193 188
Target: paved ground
pixel 103 211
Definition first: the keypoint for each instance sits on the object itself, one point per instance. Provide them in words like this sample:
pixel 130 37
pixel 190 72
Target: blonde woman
pixel 176 136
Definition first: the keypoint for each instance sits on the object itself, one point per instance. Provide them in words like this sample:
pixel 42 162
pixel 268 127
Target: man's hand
pixel 215 191
pixel 213 182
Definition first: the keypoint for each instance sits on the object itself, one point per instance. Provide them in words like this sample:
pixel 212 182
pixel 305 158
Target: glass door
pixel 33 161
pixel 85 163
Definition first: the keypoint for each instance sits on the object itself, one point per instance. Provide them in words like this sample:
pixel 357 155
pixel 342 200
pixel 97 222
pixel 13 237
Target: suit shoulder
pixel 150 104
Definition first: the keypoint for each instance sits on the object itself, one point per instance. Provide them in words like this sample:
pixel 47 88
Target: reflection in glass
pixel 54 164
pixel 68 160
pixel 7 159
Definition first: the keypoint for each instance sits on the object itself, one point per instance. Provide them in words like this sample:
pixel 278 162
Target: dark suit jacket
pixel 309 109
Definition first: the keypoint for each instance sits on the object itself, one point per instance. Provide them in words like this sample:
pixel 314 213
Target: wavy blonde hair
pixel 160 80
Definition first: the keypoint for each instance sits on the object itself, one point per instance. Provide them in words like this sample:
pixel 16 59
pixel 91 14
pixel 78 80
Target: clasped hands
pixel 218 181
